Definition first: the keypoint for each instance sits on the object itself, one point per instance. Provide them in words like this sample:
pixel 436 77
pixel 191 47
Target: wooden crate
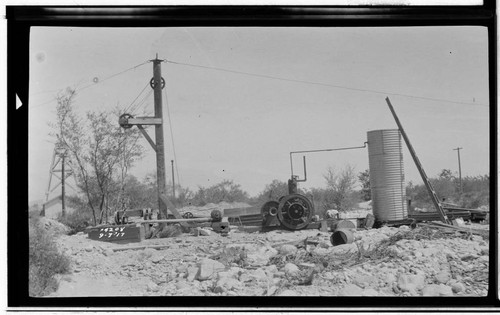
pixel 117 233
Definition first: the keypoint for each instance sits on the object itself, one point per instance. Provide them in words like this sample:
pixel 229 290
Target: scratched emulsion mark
pixel 40 56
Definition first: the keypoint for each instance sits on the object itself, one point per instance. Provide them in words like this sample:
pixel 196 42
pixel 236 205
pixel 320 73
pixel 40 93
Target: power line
pixel 93 84
pixel 172 137
pixel 113 75
pixel 321 84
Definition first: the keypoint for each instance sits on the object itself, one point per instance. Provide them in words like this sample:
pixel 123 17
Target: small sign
pixel 117 233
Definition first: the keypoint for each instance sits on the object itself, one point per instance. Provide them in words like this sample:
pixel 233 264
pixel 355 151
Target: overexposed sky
pixel 242 127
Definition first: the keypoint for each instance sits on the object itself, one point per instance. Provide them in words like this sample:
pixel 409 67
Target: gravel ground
pixel 388 261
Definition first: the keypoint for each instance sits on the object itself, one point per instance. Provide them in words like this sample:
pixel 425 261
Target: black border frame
pixel 21 18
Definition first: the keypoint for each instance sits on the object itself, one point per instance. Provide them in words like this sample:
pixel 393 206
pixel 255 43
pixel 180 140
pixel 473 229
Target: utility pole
pixel 173 179
pixel 128 121
pixel 160 149
pixel 459 169
pixel 63 194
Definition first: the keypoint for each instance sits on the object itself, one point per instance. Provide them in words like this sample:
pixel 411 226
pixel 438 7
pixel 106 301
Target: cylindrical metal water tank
pixel 387 182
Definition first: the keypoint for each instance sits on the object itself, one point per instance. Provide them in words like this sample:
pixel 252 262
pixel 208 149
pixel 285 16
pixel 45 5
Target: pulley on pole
pixel 126 121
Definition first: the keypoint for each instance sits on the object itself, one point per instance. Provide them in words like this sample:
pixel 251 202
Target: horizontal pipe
pixel 175 220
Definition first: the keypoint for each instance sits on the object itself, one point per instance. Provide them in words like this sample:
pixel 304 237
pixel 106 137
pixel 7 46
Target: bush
pixel 45 261
pixel 226 191
pixel 80 218
pixel 340 194
pixel 77 221
pixel 476 191
pixel 170 231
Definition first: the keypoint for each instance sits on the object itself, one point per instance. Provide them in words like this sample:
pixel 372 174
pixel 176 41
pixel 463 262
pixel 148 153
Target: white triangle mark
pixel 18 102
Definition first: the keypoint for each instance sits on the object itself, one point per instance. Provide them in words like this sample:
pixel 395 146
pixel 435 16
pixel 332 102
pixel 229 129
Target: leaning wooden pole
pixel 427 183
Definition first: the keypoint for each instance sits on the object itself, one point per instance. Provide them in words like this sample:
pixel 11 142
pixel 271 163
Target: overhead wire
pixel 134 108
pixel 114 75
pixel 92 84
pixel 140 93
pixel 172 137
pixel 320 83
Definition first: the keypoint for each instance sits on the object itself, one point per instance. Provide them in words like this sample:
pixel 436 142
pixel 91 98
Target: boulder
pixel 442 277
pixel 261 256
pixel 287 249
pixel 291 269
pixel 351 290
pixel 458 287
pixel 204 232
pixel 226 284
pixel 208 269
pixel 153 287
pixel 410 283
pixel 370 292
pixel 437 290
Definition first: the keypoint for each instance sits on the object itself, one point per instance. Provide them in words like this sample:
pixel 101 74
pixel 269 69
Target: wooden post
pixel 63 175
pixel 160 149
pixel 427 183
pixel 173 180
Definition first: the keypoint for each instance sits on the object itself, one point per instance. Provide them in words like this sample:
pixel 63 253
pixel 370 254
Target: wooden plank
pixel 144 121
pixel 117 233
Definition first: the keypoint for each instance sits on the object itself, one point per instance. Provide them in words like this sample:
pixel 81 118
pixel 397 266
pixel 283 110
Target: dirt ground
pixel 389 261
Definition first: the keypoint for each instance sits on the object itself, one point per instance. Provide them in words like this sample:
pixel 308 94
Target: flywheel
pixel 295 211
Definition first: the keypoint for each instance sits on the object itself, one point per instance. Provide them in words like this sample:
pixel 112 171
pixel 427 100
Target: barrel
pixel 341 236
pixel 387 175
pixel 344 225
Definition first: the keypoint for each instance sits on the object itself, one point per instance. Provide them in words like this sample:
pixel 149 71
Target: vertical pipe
pixel 160 149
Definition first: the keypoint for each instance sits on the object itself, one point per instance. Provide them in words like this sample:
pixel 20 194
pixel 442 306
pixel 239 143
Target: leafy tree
pixel 273 191
pixel 340 189
pixel 364 178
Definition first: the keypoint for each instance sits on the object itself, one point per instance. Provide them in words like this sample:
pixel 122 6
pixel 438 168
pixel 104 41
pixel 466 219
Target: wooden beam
pixel 425 178
pixel 170 206
pixel 140 247
pixel 145 134
pixel 145 121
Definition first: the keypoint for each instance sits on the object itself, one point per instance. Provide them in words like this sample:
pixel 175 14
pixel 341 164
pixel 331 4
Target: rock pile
pixel 380 262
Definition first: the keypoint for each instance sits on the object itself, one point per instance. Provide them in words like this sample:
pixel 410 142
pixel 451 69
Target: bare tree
pixel 97 148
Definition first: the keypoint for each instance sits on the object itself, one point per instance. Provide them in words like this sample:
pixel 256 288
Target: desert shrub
pixel 476 191
pixel 170 231
pixel 45 261
pixel 79 219
pixel 226 191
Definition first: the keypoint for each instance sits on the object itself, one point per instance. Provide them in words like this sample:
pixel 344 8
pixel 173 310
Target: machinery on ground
pixel 293 211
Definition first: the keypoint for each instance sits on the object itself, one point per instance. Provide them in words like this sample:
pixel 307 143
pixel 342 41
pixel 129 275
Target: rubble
pixel 387 261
